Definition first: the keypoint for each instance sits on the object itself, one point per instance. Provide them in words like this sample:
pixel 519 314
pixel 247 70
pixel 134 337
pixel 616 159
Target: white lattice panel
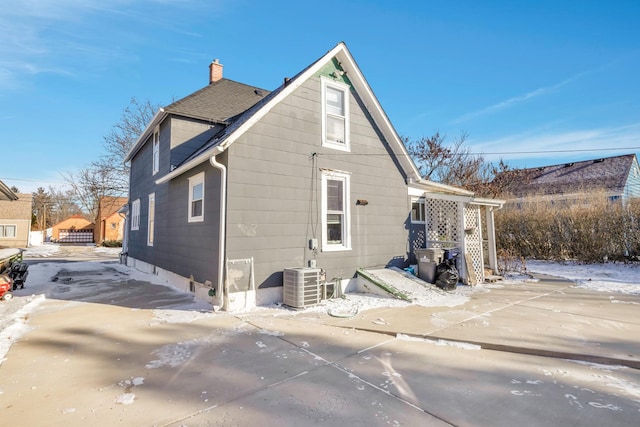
pixel 442 221
pixel 473 239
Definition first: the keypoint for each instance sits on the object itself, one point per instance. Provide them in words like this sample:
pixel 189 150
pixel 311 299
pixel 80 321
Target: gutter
pixel 222 285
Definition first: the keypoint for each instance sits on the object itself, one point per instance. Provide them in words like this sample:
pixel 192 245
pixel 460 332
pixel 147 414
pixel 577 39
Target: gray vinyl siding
pixel 632 187
pixel 187 135
pixel 187 249
pixel 274 192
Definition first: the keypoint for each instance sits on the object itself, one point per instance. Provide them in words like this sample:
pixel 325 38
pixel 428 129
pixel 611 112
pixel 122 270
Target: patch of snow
pixel 171 355
pixel 17 326
pixel 125 399
pixel 41 251
pixel 607 277
pixel 179 316
pixel 440 342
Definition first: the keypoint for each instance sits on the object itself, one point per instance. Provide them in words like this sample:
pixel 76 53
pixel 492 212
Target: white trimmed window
pixel 418 211
pixel 336 223
pixel 135 215
pixel 7 231
pixel 196 198
pixel 152 219
pixel 156 151
pixel 335 115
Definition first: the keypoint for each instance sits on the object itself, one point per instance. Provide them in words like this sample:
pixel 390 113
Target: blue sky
pixel 531 82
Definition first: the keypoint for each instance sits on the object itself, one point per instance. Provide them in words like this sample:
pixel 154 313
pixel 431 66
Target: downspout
pixel 222 285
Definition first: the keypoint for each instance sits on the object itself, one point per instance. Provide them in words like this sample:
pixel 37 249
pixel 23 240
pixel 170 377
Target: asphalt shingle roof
pixel 608 174
pixel 218 102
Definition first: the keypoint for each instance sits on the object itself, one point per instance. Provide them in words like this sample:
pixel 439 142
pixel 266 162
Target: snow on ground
pixel 609 277
pixel 180 307
pixel 41 251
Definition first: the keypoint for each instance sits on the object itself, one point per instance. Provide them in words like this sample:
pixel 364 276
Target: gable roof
pixel 248 118
pixel 6 193
pixel 609 174
pixel 218 103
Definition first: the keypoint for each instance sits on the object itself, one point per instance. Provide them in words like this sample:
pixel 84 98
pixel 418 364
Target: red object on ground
pixel 6 284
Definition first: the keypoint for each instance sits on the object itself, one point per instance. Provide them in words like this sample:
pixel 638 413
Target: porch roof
pixel 435 190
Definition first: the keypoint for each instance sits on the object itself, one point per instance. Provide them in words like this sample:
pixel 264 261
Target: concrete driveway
pixel 106 348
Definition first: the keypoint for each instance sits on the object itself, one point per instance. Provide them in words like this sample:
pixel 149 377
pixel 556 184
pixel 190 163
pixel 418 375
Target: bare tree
pixel 120 139
pixel 109 175
pixel 455 165
pixel 63 204
pixel 89 185
pixel 41 209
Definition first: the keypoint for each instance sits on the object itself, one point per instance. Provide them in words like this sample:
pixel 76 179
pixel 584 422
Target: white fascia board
pixel 155 121
pixel 375 109
pixel 451 197
pixel 436 186
pixel 355 76
pixel 257 116
pixel 499 203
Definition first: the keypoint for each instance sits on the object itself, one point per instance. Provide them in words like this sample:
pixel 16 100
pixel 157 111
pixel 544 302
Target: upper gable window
pixel 156 151
pixel 335 115
pixel 196 198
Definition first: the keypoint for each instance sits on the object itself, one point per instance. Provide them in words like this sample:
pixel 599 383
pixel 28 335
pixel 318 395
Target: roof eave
pixel 155 121
pixel 7 192
pixel 356 77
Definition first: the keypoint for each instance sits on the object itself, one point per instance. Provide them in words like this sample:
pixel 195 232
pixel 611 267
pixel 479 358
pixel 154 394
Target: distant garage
pixel 75 236
pixel 75 229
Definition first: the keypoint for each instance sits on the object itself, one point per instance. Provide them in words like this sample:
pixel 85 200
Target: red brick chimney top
pixel 215 71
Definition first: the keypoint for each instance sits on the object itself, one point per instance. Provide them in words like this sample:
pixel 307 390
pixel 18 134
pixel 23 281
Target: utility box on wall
pixel 302 287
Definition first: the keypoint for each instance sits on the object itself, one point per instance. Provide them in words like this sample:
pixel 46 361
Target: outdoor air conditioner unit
pixel 302 287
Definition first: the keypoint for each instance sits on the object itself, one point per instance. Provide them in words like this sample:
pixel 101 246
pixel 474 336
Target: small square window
pixel 418 211
pixel 8 231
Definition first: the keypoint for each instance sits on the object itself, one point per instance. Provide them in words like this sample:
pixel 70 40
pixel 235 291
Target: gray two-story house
pixel 233 184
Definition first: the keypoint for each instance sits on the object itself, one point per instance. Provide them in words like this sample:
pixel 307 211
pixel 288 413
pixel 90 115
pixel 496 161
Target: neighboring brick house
pixel 109 223
pixel 75 229
pixel 15 218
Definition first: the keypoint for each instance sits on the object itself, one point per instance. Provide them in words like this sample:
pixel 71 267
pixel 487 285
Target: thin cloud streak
pixel 530 145
pixel 511 102
pixel 51 37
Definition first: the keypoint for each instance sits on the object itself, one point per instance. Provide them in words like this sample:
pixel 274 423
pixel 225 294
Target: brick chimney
pixel 215 71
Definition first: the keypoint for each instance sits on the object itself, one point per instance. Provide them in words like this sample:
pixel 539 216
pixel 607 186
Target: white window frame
pixel 421 201
pixel 156 151
pixel 151 219
pixel 193 182
pixel 135 215
pixel 3 231
pixel 327 83
pixel 345 177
